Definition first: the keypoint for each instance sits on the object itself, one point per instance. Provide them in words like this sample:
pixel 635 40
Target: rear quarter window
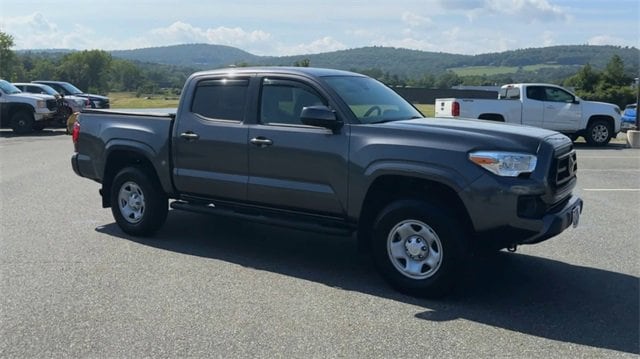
pixel 221 99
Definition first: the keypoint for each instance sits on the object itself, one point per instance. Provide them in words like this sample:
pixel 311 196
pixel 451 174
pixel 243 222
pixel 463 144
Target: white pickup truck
pixel 25 112
pixel 540 105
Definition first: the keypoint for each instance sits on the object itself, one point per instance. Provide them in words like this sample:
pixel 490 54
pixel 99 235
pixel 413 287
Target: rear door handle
pixel 190 136
pixel 261 141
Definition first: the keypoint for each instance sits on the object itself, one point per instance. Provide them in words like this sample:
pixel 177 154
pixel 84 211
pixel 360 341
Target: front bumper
pixel 43 114
pixel 625 126
pixel 556 222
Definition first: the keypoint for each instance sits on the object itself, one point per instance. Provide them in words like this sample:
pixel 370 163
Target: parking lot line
pixel 612 189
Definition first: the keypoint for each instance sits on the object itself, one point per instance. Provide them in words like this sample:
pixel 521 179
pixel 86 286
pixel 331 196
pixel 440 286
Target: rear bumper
pixel 74 164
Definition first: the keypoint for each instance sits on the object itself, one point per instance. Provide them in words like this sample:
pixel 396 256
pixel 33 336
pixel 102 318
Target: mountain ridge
pixel 395 61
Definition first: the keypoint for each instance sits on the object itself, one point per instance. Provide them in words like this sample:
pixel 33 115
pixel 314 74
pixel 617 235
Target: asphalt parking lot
pixel 73 285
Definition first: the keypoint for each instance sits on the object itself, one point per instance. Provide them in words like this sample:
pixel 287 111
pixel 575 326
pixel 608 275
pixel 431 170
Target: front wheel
pixel 598 133
pixel 418 247
pixel 138 203
pixel 22 122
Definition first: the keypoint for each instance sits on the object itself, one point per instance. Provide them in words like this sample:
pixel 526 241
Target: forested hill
pixel 191 55
pixel 401 62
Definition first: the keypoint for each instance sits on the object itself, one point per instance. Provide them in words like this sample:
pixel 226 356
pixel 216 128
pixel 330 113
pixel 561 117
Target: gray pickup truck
pixel 336 152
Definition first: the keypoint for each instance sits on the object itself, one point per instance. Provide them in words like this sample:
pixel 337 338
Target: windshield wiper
pixel 385 120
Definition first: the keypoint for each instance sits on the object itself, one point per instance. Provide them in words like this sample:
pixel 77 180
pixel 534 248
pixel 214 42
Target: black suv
pixel 65 88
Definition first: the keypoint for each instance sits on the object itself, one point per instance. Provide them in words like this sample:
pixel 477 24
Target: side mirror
pixel 320 116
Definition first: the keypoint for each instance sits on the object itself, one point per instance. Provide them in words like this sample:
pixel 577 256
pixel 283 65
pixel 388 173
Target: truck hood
pixel 91 96
pixel 470 135
pixel 31 96
pixel 594 107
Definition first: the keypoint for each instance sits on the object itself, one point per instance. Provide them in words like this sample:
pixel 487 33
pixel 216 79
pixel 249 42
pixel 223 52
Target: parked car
pixel 334 152
pixel 540 105
pixel 66 104
pixel 629 117
pixel 24 112
pixel 65 88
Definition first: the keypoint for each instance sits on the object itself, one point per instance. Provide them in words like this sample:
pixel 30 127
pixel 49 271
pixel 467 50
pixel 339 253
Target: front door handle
pixel 261 141
pixel 190 136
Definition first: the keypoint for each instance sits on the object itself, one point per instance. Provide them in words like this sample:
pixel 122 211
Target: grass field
pixel 129 100
pixel 495 70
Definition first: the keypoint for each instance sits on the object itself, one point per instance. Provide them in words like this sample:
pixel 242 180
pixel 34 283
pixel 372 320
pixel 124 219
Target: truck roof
pixel 306 71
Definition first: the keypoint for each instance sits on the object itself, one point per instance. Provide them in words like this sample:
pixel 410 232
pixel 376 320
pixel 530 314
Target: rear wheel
pixel 598 133
pixel 418 247
pixel 138 204
pixel 22 122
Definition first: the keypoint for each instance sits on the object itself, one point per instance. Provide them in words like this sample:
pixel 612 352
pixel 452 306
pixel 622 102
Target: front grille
pixel 565 169
pixel 52 105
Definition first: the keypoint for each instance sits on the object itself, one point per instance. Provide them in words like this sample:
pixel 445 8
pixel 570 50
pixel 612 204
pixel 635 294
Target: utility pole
pixel 637 83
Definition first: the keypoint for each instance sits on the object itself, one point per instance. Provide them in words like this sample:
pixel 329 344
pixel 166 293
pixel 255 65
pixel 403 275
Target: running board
pixel 305 223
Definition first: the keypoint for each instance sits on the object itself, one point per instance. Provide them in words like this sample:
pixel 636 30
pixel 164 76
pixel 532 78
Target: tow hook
pixel 512 248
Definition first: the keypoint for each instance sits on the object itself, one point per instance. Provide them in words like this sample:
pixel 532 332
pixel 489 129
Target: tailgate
pixel 443 107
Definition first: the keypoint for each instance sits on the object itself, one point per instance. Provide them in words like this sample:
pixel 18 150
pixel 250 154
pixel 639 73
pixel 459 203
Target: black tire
pixel 22 122
pixel 435 273
pixel 138 203
pixel 598 133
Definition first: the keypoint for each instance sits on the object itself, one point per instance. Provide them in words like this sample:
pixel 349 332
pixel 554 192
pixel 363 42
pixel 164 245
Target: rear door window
pixel 221 99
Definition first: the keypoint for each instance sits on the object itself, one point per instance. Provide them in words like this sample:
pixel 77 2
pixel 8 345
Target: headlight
pixel 41 104
pixel 508 164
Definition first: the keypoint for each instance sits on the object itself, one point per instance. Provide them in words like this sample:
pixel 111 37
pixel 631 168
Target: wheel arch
pixel 387 188
pixel 119 156
pixel 608 119
pixel 492 117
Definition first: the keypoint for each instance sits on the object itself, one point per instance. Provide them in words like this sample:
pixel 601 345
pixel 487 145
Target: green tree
pixel 124 76
pixel 612 85
pixel 614 74
pixel 7 56
pixel 448 80
pixel 88 70
pixel 586 79
pixel 302 63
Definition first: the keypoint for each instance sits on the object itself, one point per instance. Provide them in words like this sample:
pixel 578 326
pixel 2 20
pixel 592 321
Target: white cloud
pixel 180 32
pixel 35 31
pixel 531 10
pixel 606 40
pixel 548 38
pixel 325 44
pixel 414 20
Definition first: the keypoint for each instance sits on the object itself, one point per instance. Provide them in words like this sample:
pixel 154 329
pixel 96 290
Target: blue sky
pixel 286 27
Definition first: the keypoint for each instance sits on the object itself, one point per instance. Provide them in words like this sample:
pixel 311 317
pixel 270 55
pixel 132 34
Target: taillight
pixel 75 134
pixel 455 108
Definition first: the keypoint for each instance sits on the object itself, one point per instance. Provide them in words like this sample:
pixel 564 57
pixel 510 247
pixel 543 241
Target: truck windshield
pixel 8 88
pixel 70 89
pixel 371 101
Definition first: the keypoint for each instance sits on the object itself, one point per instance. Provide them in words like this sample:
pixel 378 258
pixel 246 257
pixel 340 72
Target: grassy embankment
pixel 129 100
pixel 496 70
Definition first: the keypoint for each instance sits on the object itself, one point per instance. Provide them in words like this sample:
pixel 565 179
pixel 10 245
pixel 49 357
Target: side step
pixel 305 223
